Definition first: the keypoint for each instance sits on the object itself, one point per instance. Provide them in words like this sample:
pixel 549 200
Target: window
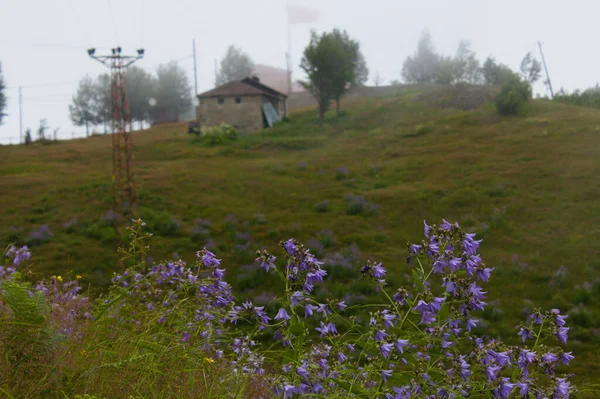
pixel 220 100
pixel 238 100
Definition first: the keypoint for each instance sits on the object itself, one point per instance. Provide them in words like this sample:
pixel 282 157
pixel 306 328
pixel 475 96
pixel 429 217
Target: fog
pixel 43 43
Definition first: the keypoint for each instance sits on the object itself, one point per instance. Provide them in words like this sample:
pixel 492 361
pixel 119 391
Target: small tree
pixel 84 110
pixel 446 71
pixel 2 95
pixel 41 131
pixel 28 138
pixel 103 99
pixel 377 79
pixel 352 68
pixel 496 74
pixel 326 63
pixel 424 65
pixel 235 65
pixel 530 68
pixel 513 95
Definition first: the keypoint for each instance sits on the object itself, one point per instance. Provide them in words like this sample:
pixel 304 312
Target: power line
pixel 112 17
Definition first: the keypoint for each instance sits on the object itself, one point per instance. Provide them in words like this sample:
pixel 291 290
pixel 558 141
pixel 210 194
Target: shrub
pixel 215 135
pixel 512 96
pixel 357 204
pixel 322 206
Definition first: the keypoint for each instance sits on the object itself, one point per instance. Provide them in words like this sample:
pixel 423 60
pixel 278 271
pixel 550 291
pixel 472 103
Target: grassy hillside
pixel 529 186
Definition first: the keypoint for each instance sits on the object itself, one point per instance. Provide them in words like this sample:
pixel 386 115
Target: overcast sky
pixel 43 42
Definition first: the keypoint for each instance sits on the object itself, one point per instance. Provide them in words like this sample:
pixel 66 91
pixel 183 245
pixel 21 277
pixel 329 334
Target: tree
pixel 84 110
pixel 140 88
pixel 2 95
pixel 235 65
pixel 41 132
pixel 28 139
pixel 530 68
pixel 496 74
pixel 377 79
pixel 352 68
pixel 104 99
pixel 172 94
pixel 466 65
pixel 324 59
pixel 424 65
pixel 446 71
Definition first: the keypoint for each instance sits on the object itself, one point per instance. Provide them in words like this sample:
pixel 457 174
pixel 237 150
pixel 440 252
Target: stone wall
pixel 246 117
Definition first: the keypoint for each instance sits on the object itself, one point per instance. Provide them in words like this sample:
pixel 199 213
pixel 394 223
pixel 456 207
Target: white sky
pixel 43 42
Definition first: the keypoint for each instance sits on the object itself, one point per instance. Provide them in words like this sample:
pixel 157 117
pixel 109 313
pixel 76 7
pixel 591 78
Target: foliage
pixel 28 138
pixel 42 129
pixel 84 109
pixel 2 95
pixel 513 95
pixel 332 63
pixel 530 68
pixel 173 94
pixel 215 135
pixel 466 65
pixel 140 89
pixel 235 65
pixel 495 74
pixel 417 340
pixel 424 65
pixel 587 98
pixel 104 96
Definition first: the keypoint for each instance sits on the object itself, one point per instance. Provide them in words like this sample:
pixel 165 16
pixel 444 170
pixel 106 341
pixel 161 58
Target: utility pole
pixel 546 69
pixel 124 197
pixel 216 73
pixel 195 71
pixel 20 116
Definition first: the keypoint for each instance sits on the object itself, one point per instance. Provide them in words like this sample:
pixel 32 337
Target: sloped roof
pixel 244 87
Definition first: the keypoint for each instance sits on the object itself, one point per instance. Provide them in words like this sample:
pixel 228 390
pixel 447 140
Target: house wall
pixel 245 117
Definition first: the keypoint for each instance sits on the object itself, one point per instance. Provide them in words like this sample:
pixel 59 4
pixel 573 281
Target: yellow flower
pixel 60 279
pixel 208 360
pixel 78 277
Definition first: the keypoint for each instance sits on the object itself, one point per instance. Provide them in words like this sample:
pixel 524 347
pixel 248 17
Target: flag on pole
pixel 301 15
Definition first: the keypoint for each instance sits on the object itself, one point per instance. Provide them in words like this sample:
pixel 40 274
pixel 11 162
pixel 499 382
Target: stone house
pixel 248 105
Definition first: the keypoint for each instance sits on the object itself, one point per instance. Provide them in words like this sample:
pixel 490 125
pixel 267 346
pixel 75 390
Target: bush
pixel 513 95
pixel 215 135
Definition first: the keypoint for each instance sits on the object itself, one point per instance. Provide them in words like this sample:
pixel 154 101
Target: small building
pixel 248 105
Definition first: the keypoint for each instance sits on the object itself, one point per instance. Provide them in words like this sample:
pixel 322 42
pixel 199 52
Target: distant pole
pixel 216 73
pixel 20 117
pixel 289 53
pixel 195 71
pixel 546 69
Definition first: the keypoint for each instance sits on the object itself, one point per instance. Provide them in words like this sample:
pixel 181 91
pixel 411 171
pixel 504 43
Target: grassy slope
pixel 530 186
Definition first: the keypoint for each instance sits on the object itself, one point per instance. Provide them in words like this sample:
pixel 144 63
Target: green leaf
pixel 444 311
pixel 351 388
pixel 418 281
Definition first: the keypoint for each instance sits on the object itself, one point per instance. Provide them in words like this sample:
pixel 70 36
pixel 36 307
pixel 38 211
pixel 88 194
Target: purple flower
pixel 209 259
pixel 324 329
pixel 525 333
pixel 388 319
pixel 309 309
pixel 427 229
pixel 290 246
pixel 523 388
pixel 295 298
pixel 566 357
pixel 549 358
pixel 470 245
pixel 380 335
pixel 562 334
pixel 471 323
pixel 386 349
pixel 385 374
pixel 491 372
pixel 341 357
pixel 504 389
pixel 218 273
pixel 560 319
pixel 341 305
pixel 484 273
pixel 302 372
pixel 562 388
pixel 400 344
pixel 378 271
pixel 282 315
